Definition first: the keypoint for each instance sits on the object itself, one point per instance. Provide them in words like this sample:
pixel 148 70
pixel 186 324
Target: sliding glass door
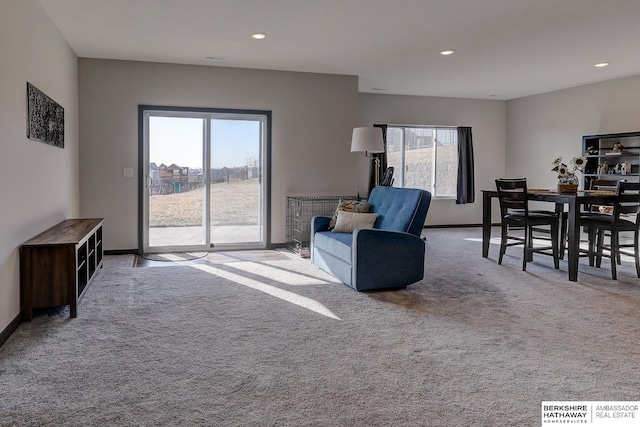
pixel 175 185
pixel 235 196
pixel 204 185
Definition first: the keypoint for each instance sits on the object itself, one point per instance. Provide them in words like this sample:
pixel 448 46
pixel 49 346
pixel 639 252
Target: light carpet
pixel 280 343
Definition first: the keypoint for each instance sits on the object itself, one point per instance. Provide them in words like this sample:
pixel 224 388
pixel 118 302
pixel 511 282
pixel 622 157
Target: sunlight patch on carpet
pixel 291 297
pixel 493 241
pixel 281 275
pixel 175 256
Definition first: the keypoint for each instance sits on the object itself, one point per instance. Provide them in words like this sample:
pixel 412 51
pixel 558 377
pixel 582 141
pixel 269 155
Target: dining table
pixel 573 201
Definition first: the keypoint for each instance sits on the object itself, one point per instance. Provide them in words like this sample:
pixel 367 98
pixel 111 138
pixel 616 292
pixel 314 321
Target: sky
pixel 179 140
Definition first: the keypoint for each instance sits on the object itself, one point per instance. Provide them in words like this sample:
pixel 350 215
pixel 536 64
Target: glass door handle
pixel 149 181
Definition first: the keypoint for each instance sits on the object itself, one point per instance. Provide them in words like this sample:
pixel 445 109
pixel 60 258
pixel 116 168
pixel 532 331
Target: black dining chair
pixel 590 210
pixel 600 185
pixel 596 210
pixel 563 216
pixel 625 216
pixel 515 214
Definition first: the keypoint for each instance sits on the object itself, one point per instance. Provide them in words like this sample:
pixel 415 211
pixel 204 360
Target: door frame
pixel 265 174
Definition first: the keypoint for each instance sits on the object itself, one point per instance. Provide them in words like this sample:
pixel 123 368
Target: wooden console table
pixel 57 265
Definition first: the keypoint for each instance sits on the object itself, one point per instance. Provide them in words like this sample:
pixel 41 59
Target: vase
pixel 567 188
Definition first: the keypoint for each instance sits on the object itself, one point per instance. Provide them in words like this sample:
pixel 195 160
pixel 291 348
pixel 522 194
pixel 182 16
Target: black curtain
pixel 466 184
pixel 381 156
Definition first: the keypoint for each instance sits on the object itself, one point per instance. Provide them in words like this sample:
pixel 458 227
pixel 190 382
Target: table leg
pixel 562 231
pixel 486 223
pixel 574 239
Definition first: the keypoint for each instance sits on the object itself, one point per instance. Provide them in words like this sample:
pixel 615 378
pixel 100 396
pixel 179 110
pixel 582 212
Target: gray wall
pixel 313 116
pixel 543 127
pixel 39 181
pixel 486 117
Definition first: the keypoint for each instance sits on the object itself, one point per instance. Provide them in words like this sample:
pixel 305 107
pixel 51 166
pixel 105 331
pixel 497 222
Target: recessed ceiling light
pixel 259 36
pixel 446 52
pixel 216 58
pixel 601 64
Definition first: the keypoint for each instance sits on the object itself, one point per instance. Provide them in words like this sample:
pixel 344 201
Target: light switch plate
pixel 128 172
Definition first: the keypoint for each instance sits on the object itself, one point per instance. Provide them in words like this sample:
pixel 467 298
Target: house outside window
pixel 424 157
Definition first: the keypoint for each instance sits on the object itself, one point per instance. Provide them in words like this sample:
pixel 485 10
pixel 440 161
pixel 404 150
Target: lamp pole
pixel 369 140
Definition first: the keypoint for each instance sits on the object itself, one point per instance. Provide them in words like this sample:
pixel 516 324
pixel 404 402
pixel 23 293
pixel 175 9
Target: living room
pixel 313 117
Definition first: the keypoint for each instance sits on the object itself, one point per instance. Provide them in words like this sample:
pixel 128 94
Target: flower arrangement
pixel 566 174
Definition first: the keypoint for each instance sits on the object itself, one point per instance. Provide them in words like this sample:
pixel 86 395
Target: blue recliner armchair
pixel 390 255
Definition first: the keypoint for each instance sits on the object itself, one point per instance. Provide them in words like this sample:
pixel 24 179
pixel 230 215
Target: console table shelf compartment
pixel 57 265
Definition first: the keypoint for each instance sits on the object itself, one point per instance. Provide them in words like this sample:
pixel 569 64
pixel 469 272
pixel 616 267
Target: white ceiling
pixel 504 49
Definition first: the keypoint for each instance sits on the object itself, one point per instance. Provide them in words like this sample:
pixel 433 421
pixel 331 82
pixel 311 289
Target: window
pixel 424 157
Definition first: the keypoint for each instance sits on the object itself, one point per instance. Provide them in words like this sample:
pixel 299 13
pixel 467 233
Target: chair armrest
pixel 387 258
pixel 319 223
pixel 386 241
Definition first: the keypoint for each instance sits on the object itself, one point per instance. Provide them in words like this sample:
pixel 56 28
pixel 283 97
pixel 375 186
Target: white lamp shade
pixel 368 139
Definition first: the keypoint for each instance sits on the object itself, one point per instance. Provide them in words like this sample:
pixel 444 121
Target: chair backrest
pixel 400 209
pixel 602 185
pixel 512 194
pixel 630 204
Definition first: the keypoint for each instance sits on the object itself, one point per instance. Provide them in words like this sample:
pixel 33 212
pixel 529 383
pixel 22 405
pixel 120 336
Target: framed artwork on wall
pixel 45 118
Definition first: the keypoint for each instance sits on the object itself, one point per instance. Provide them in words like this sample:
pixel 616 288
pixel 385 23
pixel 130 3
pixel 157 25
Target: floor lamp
pixel 369 140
